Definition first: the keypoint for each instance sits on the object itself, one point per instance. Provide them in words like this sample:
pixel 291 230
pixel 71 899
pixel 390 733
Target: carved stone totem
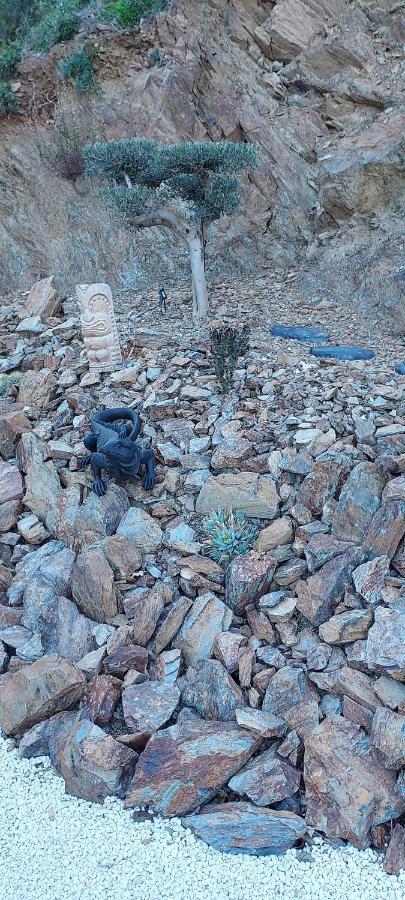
pixel 98 325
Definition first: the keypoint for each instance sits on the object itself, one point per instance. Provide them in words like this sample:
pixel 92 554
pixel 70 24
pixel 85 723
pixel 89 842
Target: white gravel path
pixel 54 847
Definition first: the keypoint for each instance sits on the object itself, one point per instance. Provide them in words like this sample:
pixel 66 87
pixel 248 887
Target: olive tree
pixel 184 187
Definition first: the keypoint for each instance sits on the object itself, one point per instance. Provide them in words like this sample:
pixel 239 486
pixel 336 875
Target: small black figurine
pixel 112 448
pixel 162 299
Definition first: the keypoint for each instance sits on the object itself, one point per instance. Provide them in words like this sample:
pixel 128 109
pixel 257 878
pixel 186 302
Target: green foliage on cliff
pixel 78 67
pixel 36 25
pixel 8 101
pixel 127 13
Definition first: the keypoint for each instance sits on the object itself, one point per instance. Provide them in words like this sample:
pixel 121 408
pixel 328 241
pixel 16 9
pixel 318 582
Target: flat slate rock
pixel 336 352
pixel 245 828
pixel 400 368
pixel 184 765
pixel 300 333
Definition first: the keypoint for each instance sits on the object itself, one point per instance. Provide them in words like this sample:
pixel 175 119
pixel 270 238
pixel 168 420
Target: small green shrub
pixel 6 380
pixel 229 534
pixel 79 68
pixel 228 343
pixel 127 13
pixel 12 14
pixel 9 55
pixel 52 23
pixel 9 103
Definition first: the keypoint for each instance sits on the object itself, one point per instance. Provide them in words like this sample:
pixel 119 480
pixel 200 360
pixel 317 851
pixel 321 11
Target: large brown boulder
pixel 93 585
pixel 185 765
pixel 348 789
pixel 43 299
pixel 36 692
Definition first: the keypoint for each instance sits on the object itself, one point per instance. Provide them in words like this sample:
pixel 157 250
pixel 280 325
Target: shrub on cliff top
pixel 127 13
pixel 9 103
pixel 78 67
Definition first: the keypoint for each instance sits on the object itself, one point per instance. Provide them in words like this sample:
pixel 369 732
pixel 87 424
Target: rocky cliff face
pixel 315 84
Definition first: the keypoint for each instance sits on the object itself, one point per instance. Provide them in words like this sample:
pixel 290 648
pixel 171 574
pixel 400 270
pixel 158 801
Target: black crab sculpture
pixel 112 446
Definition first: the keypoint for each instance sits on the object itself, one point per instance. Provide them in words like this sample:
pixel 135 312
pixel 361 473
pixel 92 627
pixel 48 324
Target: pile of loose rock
pixel 263 701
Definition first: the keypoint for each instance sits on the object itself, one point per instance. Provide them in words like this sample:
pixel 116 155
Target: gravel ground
pixel 54 847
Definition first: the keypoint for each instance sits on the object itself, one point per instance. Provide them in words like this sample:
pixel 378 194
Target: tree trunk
pixel 200 293
pixel 194 237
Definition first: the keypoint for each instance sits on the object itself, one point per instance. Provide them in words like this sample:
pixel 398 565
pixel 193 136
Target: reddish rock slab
pixel 266 779
pixel 348 790
pixel 346 627
pixel 171 621
pixel 94 765
pixel 279 533
pixel 211 691
pixel 104 692
pixel 35 692
pixel 318 597
pixel 230 452
pixel 10 616
pixel 386 529
pixel 93 586
pixel 150 705
pixel 323 481
pixel 47 737
pixel 349 682
pixel 359 500
pixel 13 424
pixel 394 861
pixel 186 764
pixel 357 713
pixel 36 388
pixel 43 299
pixel 247 578
pixel 255 495
pixel 227 648
pixel 246 828
pixel 321 548
pixel 261 723
pixel 388 736
pixel 6 577
pixel 385 647
pixel 9 513
pixel 124 658
pixel 369 579
pixel 290 696
pixel 146 611
pixel 207 617
pixel 11 483
pixel 398 560
pixel 123 556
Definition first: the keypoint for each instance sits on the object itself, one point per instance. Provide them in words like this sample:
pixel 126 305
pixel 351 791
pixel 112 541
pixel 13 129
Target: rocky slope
pixel 322 99
pixel 227 695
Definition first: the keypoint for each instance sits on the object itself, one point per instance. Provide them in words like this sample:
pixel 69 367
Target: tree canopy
pixel 182 186
pixel 146 175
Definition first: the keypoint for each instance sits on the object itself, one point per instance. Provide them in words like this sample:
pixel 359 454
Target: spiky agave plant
pixel 229 534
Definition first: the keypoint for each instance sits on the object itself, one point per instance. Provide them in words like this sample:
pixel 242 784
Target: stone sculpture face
pixel 112 446
pixel 98 325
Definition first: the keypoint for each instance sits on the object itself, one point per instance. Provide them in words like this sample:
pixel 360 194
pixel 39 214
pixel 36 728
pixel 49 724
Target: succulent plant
pixel 229 534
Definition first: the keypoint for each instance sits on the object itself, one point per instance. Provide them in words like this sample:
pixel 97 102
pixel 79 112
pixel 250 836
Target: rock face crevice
pixel 320 98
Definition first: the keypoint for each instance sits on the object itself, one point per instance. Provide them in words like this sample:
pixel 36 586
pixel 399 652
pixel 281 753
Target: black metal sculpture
pixel 112 447
pixel 162 301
